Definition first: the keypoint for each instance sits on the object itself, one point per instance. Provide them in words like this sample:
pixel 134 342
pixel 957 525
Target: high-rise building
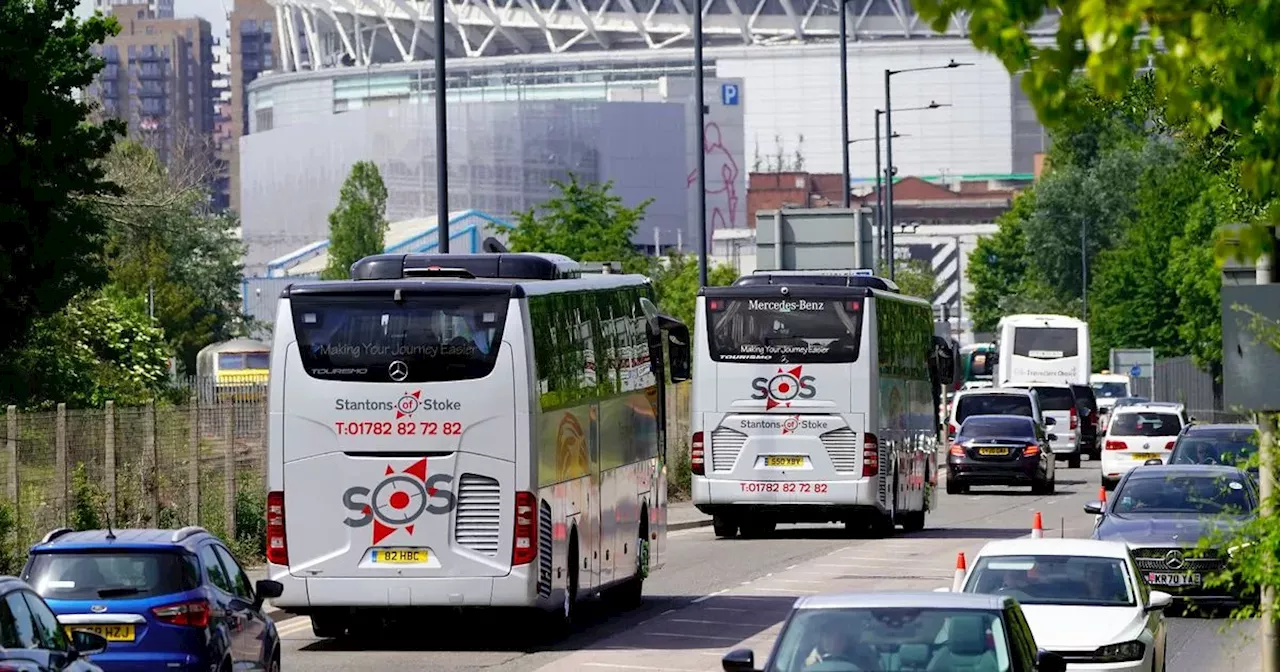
pixel 255 48
pixel 163 8
pixel 159 78
pixel 224 136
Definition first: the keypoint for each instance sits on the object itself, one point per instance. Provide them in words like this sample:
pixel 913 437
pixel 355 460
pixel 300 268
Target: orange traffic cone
pixel 1102 494
pixel 1037 527
pixel 957 584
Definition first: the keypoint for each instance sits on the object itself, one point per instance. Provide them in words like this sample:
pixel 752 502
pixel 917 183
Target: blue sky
pixel 213 11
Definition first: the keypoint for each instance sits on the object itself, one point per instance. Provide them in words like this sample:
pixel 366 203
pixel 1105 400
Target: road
pixel 714 595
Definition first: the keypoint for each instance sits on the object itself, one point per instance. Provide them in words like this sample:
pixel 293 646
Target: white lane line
pixel 704 598
pixel 293 626
pixel 731 609
pixel 798 581
pixel 736 623
pixel 787 590
pixel 687 636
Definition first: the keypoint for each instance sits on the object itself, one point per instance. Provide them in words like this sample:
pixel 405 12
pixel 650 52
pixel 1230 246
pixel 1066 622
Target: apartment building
pixel 255 49
pixel 159 78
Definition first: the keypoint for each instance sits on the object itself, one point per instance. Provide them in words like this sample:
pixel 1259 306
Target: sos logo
pixel 783 387
pixel 399 500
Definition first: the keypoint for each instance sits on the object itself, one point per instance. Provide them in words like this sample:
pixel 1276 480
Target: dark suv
pixel 163 599
pixel 1087 409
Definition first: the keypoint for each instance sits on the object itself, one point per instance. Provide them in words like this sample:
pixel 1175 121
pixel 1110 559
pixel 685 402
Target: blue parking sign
pixel 729 94
pixel 1135 371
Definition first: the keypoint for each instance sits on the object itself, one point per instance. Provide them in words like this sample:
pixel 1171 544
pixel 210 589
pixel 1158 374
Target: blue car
pixel 163 599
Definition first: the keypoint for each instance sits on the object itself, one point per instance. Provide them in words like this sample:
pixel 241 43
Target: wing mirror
pixel 1159 601
pixel 85 643
pixel 1093 507
pixel 266 589
pixel 1048 661
pixel 1153 462
pixel 1049 422
pixel 1053 437
pixel 739 660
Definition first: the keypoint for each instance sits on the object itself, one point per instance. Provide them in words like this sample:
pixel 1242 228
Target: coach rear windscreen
pixel 791 330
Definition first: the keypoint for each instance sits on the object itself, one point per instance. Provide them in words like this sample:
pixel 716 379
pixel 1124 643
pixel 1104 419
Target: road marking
pixel 736 611
pixel 617 666
pixel 788 590
pixel 294 625
pixel 737 623
pixel 687 636
pixel 798 581
pixel 704 598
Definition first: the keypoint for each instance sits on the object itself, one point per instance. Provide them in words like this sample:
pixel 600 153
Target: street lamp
pixel 442 132
pixel 701 140
pixel 844 101
pixel 880 220
pixel 888 128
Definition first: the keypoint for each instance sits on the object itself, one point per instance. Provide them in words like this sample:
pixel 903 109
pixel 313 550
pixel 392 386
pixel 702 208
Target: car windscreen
pixel 992 404
pixel 1231 449
pixel 1110 390
pixel 110 575
pixel 1054 579
pixel 850 639
pixel 419 339
pixel 1046 342
pixel 1184 494
pixel 793 330
pixel 1055 398
pixel 1145 424
pixel 977 427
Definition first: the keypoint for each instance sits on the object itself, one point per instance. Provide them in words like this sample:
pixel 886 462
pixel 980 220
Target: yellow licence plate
pixel 993 451
pixel 400 556
pixel 113 633
pixel 783 461
pixel 1145 456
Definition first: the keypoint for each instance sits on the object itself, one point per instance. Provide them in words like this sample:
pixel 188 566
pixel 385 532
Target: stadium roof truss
pixel 324 33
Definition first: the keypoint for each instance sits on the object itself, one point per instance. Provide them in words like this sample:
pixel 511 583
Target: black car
pixel 1233 445
pixel 1087 409
pixel 32 639
pixel 1163 512
pixel 849 632
pixel 1001 450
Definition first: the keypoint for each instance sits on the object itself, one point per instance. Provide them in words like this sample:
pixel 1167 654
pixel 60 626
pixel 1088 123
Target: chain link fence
pixel 167 465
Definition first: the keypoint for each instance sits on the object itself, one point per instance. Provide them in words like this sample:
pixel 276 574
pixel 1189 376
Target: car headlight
pixel 1122 652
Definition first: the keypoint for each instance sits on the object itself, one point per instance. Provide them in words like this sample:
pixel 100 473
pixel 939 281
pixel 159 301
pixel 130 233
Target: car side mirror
pixel 266 589
pixel 739 660
pixel 1093 507
pixel 1048 661
pixel 679 353
pixel 1153 462
pixel 85 643
pixel 1049 422
pixel 1159 601
pixel 1053 437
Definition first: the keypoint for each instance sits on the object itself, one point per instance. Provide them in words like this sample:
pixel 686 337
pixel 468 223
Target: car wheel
pixel 561 621
pixel 1073 462
pixel 275 663
pixel 954 488
pixel 723 527
pixel 913 522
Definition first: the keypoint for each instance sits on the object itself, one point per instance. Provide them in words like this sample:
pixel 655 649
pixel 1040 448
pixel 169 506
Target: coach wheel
pixel 329 625
pixel 756 530
pixel 913 521
pixel 724 527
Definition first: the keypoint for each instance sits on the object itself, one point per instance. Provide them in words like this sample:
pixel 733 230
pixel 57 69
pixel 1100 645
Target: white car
pixel 994 401
pixel 1084 600
pixel 1136 434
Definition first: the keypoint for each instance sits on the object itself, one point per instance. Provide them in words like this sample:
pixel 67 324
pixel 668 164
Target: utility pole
pixel 888 159
pixel 844 105
pixel 700 106
pixel 442 133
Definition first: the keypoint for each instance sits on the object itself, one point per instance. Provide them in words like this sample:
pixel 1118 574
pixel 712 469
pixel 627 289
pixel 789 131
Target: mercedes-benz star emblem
pixel 98 608
pixel 398 370
pixel 1174 560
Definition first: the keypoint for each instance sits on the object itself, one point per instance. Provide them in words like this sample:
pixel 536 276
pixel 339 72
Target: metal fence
pixel 201 462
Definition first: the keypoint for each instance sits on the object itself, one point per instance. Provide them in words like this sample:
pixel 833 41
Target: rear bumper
pixel 1024 470
pixel 151 662
pixel 712 495
pixel 517 589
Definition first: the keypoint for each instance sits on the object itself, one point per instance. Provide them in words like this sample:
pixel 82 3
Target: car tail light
pixel 194 614
pixel 277 545
pixel 870 455
pixel 697 455
pixel 1031 450
pixel 524 548
pixel 1075 419
pixel 957 450
pixel 1115 445
pixel 952 430
pixel 1169 446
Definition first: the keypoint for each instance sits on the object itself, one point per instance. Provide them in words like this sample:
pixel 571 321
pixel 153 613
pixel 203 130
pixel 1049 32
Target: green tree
pixel 675 281
pixel 101 346
pixel 165 243
pixel 914 277
pixel 358 226
pixel 49 173
pixel 583 221
pixel 1215 67
pixel 1004 277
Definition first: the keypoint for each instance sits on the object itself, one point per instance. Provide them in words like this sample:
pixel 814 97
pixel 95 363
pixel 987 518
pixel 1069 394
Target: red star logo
pixel 400 504
pixel 783 387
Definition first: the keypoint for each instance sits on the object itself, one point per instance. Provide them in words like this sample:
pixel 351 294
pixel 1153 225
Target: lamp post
pixel 700 138
pixel 879 225
pixel 844 101
pixel 888 129
pixel 880 220
pixel 442 142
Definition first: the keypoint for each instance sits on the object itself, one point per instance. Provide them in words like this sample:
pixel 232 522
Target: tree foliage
pixel 914 277
pixel 1215 66
pixel 583 221
pixel 675 280
pixel 358 226
pixel 49 170
pixel 166 245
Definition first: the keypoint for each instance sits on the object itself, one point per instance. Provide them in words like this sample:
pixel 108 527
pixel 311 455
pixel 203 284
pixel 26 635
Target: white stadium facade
pixel 355 81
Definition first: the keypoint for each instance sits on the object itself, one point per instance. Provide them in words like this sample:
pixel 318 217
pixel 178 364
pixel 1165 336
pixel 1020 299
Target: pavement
pixel 714 595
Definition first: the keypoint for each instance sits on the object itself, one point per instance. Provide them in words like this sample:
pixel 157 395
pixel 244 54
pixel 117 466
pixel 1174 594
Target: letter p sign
pixel 729 94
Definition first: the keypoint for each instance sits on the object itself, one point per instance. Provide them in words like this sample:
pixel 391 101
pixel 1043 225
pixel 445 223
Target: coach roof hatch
pixel 505 265
pixel 838 277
